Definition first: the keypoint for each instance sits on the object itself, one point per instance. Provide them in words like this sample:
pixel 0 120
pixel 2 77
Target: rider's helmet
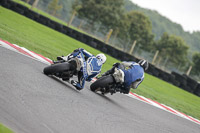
pixel 144 64
pixel 101 57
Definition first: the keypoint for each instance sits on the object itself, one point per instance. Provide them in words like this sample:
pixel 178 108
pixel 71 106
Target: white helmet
pixel 101 57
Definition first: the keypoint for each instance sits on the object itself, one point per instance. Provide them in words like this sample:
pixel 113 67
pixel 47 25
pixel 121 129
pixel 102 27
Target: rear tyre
pixel 101 83
pixel 56 68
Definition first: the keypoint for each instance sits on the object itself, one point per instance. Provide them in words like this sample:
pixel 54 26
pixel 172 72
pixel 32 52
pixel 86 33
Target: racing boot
pixel 76 85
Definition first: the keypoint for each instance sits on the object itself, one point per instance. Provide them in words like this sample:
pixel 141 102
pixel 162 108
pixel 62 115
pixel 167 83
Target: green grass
pixel 170 95
pixel 41 12
pixel 58 20
pixel 43 40
pixel 51 17
pixel 4 129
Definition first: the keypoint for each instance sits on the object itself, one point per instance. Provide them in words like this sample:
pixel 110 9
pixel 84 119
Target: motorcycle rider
pixel 92 68
pixel 133 74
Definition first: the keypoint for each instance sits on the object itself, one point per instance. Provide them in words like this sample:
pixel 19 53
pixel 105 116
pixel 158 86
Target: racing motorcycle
pixel 110 83
pixel 66 67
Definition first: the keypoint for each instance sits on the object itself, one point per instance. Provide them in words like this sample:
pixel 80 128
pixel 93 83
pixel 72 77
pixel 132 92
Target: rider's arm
pixel 74 53
pixel 86 53
pixel 77 51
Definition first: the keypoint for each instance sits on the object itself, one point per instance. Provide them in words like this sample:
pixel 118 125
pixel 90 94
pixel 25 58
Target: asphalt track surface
pixel 31 102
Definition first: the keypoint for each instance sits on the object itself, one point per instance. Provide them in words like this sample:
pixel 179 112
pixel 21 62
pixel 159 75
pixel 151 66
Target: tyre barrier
pixel 4 3
pixel 182 81
pixel 197 90
pixel 30 1
pixel 180 78
pixel 191 82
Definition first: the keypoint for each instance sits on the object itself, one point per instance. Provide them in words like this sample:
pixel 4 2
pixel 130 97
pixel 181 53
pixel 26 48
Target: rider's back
pixel 132 74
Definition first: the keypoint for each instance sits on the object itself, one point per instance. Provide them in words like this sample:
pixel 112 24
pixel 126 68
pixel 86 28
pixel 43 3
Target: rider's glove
pixel 78 49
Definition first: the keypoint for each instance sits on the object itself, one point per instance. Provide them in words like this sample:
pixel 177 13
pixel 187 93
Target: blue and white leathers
pixel 91 68
pixel 132 74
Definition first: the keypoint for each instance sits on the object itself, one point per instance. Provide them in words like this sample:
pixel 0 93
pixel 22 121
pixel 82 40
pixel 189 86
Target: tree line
pixel 135 25
pixel 132 25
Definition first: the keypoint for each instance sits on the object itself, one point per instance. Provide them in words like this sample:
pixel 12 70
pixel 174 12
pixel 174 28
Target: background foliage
pixel 160 24
pixel 131 22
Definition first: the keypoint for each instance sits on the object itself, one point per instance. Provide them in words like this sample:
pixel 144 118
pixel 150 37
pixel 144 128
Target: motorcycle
pixel 110 83
pixel 66 67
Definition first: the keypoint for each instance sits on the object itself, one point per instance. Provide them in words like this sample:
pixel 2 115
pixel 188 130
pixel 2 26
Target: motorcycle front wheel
pixel 103 82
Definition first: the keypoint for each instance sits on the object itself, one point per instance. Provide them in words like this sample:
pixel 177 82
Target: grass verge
pixel 52 17
pixel 43 40
pixel 41 12
pixel 4 129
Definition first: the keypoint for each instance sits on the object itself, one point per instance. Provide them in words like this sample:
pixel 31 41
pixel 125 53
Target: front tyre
pixel 102 83
pixel 56 68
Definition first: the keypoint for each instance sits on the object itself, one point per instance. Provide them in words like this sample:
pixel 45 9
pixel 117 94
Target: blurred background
pixel 142 32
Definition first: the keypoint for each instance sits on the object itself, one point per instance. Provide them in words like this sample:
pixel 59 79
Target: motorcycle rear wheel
pixel 102 83
pixel 56 68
